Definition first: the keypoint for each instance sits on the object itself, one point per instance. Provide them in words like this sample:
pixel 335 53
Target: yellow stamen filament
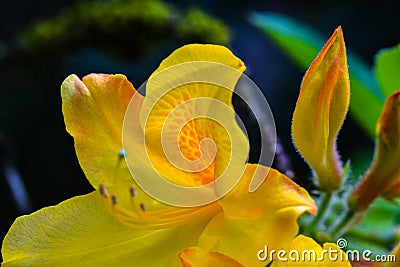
pixel 139 217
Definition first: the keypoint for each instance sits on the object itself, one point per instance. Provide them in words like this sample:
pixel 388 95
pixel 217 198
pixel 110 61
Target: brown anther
pixel 132 190
pixel 142 206
pixel 103 190
pixel 114 199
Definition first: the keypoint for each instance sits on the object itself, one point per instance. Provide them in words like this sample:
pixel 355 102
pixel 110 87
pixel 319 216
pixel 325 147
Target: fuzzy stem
pixel 350 219
pixel 321 210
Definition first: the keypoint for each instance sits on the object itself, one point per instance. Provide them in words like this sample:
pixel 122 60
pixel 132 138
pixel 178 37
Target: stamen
pixel 132 190
pixel 142 206
pixel 146 220
pixel 103 191
pixel 139 217
pixel 114 199
pixel 121 154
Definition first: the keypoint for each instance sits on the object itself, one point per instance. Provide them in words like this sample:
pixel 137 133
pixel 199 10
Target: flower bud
pixel 383 177
pixel 320 111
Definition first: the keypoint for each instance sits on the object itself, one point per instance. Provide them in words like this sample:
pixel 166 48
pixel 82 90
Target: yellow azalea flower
pixel 383 177
pixel 320 111
pixel 119 224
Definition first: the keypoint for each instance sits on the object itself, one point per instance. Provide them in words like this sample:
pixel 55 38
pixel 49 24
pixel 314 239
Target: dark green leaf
pixel 378 228
pixel 387 69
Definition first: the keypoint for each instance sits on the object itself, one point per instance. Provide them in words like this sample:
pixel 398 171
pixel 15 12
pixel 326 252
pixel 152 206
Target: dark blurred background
pixel 92 36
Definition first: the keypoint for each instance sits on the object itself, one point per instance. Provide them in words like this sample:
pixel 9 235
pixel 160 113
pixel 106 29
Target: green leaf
pixel 302 44
pixel 387 69
pixel 378 228
pixel 382 215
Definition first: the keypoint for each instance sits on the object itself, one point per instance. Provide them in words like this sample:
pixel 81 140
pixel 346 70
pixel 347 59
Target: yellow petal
pixel 304 251
pixel 384 173
pixel 202 52
pixel 277 192
pixel 252 220
pixel 321 109
pixel 94 110
pixel 80 232
pixel 186 107
pixel 197 257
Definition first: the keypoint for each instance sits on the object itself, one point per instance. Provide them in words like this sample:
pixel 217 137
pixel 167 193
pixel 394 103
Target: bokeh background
pixel 132 37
